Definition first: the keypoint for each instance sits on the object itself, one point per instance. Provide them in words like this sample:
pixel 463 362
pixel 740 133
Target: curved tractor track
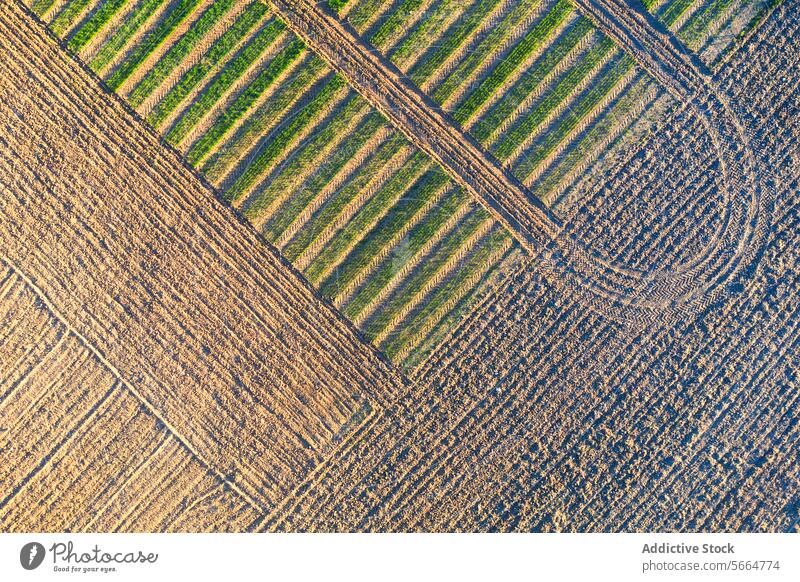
pixel 613 289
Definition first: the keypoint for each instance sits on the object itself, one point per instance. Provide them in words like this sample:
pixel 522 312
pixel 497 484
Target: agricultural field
pixel 67 406
pixel 371 221
pixel 708 27
pixel 543 415
pixel 371 265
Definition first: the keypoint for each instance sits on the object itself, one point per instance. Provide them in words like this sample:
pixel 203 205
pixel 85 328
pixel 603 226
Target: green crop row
pixel 482 261
pixel 702 19
pixel 420 35
pixel 425 67
pixel 293 93
pixel 41 6
pixel 445 250
pixel 175 55
pixel 431 327
pixel 575 113
pixel 64 20
pixel 673 11
pixel 243 25
pixel 278 143
pixel 333 207
pixel 535 37
pixel 599 130
pixel 395 20
pixel 413 199
pixel 96 22
pixel 133 60
pixel 412 244
pixel 513 138
pixel 268 75
pixel 364 11
pixel 382 199
pixel 485 48
pixel 336 5
pixel 328 168
pixel 532 78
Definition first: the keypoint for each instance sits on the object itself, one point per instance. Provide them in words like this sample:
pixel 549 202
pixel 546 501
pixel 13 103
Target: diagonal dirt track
pixel 422 121
pixel 219 337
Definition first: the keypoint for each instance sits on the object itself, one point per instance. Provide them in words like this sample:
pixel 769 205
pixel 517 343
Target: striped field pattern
pixel 371 221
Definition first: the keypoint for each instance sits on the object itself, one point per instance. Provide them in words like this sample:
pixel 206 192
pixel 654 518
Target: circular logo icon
pixel 31 555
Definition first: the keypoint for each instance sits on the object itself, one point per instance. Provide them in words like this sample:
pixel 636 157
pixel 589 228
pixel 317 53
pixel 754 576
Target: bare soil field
pixel 543 415
pixel 183 309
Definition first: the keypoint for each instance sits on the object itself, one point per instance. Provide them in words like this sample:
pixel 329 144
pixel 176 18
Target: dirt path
pixel 422 121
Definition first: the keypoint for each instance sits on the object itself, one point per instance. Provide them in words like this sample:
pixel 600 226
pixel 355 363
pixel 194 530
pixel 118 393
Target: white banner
pixel 378 557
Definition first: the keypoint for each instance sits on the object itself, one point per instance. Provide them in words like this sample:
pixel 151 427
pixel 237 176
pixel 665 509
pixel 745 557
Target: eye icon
pixel 31 555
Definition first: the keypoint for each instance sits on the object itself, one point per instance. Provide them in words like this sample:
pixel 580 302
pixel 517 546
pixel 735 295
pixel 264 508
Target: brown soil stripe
pixel 422 121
